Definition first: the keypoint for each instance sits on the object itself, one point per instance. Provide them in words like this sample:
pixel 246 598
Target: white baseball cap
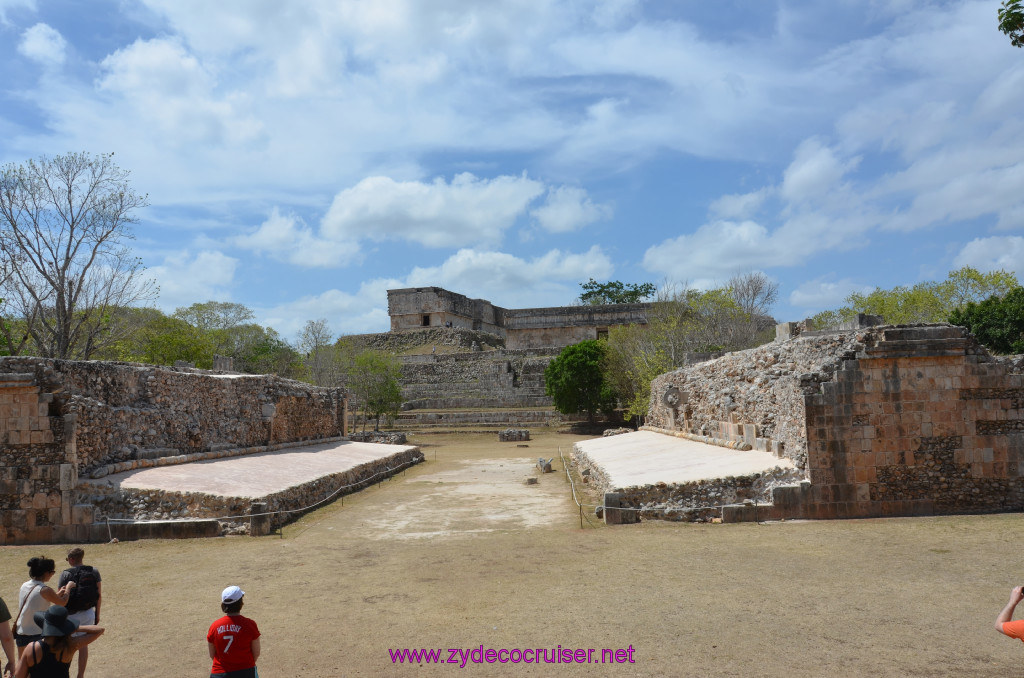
pixel 231 594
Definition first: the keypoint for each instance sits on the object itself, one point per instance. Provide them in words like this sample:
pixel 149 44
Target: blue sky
pixel 301 158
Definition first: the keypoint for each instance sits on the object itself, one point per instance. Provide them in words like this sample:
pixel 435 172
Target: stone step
pixel 923 333
pixel 918 348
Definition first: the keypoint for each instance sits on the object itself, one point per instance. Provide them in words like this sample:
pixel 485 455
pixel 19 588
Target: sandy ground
pixel 459 553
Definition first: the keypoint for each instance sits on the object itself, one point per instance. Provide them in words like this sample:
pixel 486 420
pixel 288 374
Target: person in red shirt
pixel 234 640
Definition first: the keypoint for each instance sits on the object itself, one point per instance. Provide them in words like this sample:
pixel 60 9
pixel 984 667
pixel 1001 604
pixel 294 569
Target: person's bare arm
pixel 91 631
pixel 255 649
pixel 1007 613
pixel 213 650
pixel 7 641
pixel 58 597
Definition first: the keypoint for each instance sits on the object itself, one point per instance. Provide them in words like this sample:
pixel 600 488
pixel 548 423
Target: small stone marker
pixel 614 514
pixel 532 480
pixel 259 525
pixel 544 464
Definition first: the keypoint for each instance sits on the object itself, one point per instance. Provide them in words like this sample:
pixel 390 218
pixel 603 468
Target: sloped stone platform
pixel 679 479
pixel 225 489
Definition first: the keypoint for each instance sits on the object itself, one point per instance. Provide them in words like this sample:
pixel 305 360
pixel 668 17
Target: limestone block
pixel 83 514
pixel 68 477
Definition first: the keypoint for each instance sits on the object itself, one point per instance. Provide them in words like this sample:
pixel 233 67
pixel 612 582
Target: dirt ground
pixel 458 552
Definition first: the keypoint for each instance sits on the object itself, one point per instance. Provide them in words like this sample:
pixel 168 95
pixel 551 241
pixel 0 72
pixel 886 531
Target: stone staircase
pixel 476 391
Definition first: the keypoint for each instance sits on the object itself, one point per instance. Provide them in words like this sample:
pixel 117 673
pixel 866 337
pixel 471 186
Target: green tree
pixel 925 302
pixel 220 320
pixel 65 222
pixel 374 381
pixel 615 292
pixel 1011 21
pixel 997 322
pixel 576 381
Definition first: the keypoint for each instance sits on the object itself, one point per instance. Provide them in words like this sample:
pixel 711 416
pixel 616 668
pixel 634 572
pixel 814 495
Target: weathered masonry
pixel 524 328
pixel 882 421
pixel 64 420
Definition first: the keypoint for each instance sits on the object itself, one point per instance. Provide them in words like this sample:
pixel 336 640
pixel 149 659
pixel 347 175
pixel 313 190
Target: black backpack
pixel 86 591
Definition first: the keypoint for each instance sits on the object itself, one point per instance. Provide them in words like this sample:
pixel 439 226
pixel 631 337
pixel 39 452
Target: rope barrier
pixel 332 495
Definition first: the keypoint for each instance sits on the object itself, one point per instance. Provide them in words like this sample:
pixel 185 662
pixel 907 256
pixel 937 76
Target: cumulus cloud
pixel 509 280
pixel 569 209
pixel 44 44
pixel 549 279
pixel 739 206
pixel 997 252
pixel 822 293
pixel 7 5
pixel 168 86
pixel 185 278
pixel 466 211
pixel 360 313
pixel 715 250
pixel 814 172
pixel 286 237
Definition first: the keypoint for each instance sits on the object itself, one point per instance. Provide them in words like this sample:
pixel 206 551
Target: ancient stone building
pixel 881 421
pixel 524 328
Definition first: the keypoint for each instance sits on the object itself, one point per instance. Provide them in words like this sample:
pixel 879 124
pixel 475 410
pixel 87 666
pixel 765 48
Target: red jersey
pixel 232 637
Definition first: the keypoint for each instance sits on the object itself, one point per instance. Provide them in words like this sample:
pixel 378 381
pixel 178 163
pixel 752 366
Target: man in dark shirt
pixel 84 603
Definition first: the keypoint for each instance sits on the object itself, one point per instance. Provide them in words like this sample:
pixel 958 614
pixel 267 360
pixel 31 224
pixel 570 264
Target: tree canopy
pixel 997 322
pixel 925 302
pixel 373 378
pixel 615 292
pixel 64 261
pixel 576 381
pixel 1011 21
pixel 685 320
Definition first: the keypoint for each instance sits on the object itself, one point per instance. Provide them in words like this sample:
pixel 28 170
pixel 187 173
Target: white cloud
pixel 739 206
pixel 7 5
pixel 715 250
pixel 287 238
pixel 989 254
pixel 823 293
pixel 437 214
pixel 185 278
pixel 814 172
pixel 346 313
pixel 508 280
pixel 169 87
pixel 44 44
pixel 504 279
pixel 568 209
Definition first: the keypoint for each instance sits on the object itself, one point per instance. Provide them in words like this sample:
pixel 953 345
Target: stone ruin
pixel 513 435
pixel 63 420
pixel 879 421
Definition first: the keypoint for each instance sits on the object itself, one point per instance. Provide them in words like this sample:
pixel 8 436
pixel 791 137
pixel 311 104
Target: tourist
pixel 84 603
pixel 1014 629
pixel 7 639
pixel 233 640
pixel 51 656
pixel 35 596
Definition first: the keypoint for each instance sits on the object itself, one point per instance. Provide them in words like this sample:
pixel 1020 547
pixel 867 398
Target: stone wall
pixel 126 410
pixel 891 420
pixel 489 379
pixel 38 464
pixel 451 337
pixel 62 419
